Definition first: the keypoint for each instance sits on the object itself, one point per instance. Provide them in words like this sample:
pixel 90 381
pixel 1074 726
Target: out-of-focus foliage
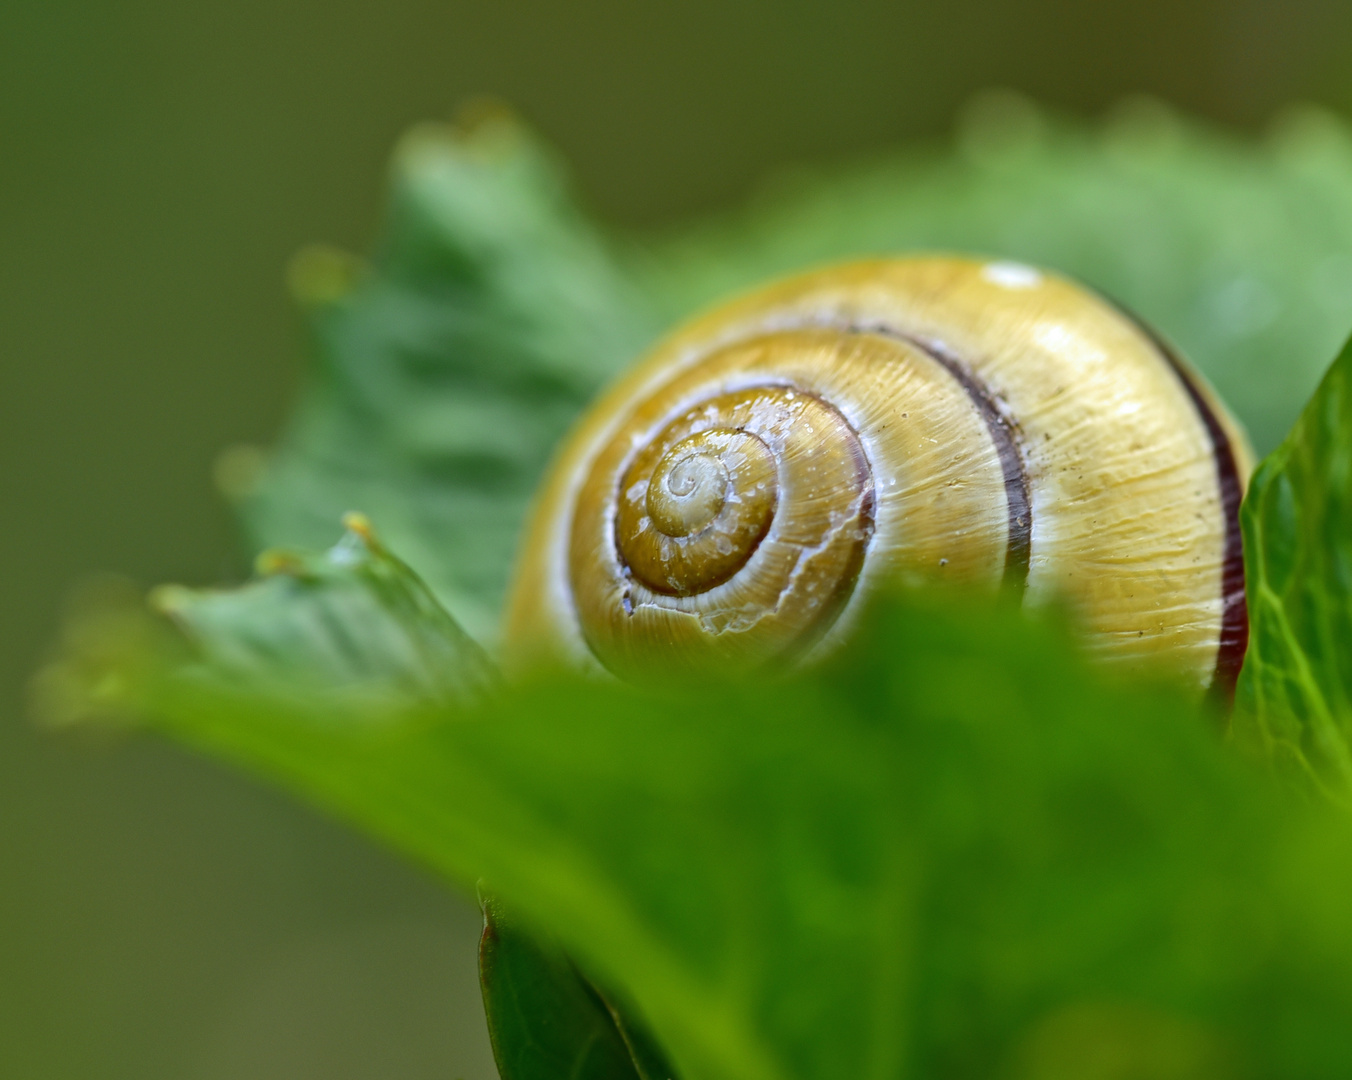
pixel 353 629
pixel 448 369
pixel 1240 252
pixel 951 852
pixel 354 625
pixel 1295 692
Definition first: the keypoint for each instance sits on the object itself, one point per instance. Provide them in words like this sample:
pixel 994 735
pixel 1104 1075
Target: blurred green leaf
pixel 493 310
pixel 1296 686
pixel 544 1019
pixel 354 627
pixel 1238 250
pixel 951 852
pixel 450 367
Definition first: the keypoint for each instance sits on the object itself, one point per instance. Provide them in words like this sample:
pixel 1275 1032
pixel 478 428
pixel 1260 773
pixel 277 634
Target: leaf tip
pixel 357 523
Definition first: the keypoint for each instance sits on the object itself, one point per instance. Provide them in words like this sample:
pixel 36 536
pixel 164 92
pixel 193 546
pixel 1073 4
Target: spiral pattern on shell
pixel 738 494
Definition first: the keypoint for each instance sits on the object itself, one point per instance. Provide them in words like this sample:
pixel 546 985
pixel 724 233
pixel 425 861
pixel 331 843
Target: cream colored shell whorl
pixel 739 493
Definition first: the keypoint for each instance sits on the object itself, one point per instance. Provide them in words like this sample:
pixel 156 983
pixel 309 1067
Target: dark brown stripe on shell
pixel 1004 435
pixel 1234 637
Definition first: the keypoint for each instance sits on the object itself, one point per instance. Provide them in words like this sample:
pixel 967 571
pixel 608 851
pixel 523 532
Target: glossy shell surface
pixel 743 489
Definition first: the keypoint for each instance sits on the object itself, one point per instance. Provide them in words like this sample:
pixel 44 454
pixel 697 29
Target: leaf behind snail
pixel 448 369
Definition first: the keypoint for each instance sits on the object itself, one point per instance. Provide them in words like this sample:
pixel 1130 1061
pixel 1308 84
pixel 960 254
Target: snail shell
pixel 739 493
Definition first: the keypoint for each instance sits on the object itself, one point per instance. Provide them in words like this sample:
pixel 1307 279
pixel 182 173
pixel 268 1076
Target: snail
pixel 739 494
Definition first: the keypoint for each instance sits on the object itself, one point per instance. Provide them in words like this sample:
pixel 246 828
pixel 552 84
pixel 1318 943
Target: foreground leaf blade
pixel 952 853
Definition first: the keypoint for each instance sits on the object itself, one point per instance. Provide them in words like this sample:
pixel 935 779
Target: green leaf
pixel 544 1018
pixel 952 852
pixel 354 630
pixel 1238 250
pixel 1295 691
pixel 448 369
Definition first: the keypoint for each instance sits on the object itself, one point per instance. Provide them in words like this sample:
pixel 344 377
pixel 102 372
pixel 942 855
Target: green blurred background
pixel 159 162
